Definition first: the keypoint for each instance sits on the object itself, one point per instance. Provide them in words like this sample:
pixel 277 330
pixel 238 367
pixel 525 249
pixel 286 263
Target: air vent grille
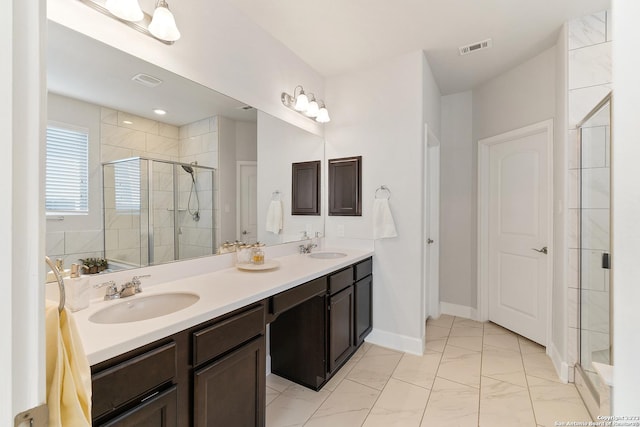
pixel 474 47
pixel 146 80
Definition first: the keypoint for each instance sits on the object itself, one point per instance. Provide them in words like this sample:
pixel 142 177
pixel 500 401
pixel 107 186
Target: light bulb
pixel 163 24
pixel 302 102
pixel 323 115
pixel 129 10
pixel 312 109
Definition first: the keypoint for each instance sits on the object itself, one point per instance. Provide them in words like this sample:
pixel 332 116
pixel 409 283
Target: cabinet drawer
pixel 159 410
pixel 222 337
pixel 363 269
pixel 131 379
pixel 288 299
pixel 340 280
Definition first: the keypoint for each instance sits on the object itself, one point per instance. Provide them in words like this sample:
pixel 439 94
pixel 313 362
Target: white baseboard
pixel 458 310
pixel 396 342
pixel 562 368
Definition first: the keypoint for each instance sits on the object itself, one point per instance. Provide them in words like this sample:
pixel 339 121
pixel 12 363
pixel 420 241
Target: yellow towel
pixel 68 372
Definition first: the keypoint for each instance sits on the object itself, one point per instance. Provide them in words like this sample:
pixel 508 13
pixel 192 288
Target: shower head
pixel 188 169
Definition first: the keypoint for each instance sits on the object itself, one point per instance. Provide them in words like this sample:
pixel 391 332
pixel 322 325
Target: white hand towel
pixel 383 224
pixel 274 217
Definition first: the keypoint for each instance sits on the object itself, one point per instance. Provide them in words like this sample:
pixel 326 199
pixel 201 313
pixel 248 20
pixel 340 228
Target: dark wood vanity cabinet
pixel 212 374
pixel 311 340
pixel 363 302
pixel 229 376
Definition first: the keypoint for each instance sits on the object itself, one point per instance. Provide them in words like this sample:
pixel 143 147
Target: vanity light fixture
pixel 306 105
pixel 161 26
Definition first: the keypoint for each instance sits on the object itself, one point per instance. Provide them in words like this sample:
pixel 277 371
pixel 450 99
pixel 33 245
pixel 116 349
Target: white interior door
pixel 247 198
pixel 518 230
pixel 431 259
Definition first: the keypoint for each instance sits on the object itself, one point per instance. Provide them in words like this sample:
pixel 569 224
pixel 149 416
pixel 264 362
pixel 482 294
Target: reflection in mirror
pixel 281 144
pixel 190 183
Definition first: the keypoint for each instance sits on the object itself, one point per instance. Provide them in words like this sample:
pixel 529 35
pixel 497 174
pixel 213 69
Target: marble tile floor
pixel 473 374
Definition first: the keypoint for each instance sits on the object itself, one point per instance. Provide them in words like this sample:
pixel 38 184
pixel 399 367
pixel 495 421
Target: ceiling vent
pixel 474 47
pixel 146 80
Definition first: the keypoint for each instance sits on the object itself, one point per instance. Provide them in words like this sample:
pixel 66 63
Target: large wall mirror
pixel 137 188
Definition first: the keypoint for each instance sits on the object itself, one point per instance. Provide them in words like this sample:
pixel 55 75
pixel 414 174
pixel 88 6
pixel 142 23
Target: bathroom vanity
pixel 215 369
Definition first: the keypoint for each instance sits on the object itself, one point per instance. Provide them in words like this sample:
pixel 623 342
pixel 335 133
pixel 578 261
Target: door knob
pixel 245 232
pixel 544 250
pixel 430 240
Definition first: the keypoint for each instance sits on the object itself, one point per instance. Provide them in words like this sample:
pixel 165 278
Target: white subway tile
pixel 590 66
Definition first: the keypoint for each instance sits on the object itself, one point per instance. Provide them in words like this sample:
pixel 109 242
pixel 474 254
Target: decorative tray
pixel 268 265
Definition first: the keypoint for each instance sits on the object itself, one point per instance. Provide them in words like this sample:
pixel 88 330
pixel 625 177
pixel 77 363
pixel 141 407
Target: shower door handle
pixel 544 250
pixel 606 261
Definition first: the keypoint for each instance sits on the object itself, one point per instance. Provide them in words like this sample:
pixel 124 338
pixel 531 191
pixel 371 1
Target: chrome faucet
pixel 134 286
pixel 59 279
pixel 306 249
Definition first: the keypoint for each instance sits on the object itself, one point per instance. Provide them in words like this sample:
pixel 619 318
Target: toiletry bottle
pixel 77 289
pixel 257 254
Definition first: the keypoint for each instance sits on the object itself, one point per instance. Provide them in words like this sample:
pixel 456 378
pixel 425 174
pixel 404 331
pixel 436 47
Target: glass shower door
pixel 595 168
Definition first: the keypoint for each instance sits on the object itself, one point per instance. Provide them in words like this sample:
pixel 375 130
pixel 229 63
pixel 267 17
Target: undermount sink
pixel 143 308
pixel 327 255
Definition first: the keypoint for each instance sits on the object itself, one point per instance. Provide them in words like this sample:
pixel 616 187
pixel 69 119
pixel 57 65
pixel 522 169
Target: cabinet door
pixel 298 343
pixel 363 313
pixel 231 390
pixel 341 330
pixel 157 411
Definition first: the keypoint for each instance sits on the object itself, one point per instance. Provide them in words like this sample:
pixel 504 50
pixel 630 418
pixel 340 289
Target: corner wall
pixel 379 113
pixel 517 98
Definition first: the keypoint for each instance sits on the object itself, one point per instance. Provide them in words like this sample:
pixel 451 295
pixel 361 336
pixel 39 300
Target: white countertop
pixel 220 292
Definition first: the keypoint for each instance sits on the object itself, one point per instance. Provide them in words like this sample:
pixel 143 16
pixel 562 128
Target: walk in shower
pixel 594 299
pixel 157 211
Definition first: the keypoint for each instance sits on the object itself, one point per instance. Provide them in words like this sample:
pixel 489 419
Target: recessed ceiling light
pixel 160 111
pixel 127 122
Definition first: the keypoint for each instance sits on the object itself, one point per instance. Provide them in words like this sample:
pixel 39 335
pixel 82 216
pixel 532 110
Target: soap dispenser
pixel 77 289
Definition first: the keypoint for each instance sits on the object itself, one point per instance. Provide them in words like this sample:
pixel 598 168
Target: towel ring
pixel 383 188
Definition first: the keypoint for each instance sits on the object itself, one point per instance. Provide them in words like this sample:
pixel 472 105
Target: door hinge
pixel 34 417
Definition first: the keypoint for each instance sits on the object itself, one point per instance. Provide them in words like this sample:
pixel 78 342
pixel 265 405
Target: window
pixel 67 164
pixel 127 183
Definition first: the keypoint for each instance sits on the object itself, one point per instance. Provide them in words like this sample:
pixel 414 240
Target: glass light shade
pixel 129 10
pixel 163 25
pixel 323 116
pixel 302 102
pixel 312 109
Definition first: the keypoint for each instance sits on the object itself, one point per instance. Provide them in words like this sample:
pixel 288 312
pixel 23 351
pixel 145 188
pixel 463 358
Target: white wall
pixel 457 211
pixel 227 177
pixel 626 208
pixel 378 113
pixel 220 48
pixel 559 252
pixel 22 123
pixel 279 145
pixel 246 141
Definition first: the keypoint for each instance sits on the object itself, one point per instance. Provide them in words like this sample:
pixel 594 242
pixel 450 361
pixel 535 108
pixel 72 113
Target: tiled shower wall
pixel 199 143
pixel 126 233
pixel 589 82
pixel 126 236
